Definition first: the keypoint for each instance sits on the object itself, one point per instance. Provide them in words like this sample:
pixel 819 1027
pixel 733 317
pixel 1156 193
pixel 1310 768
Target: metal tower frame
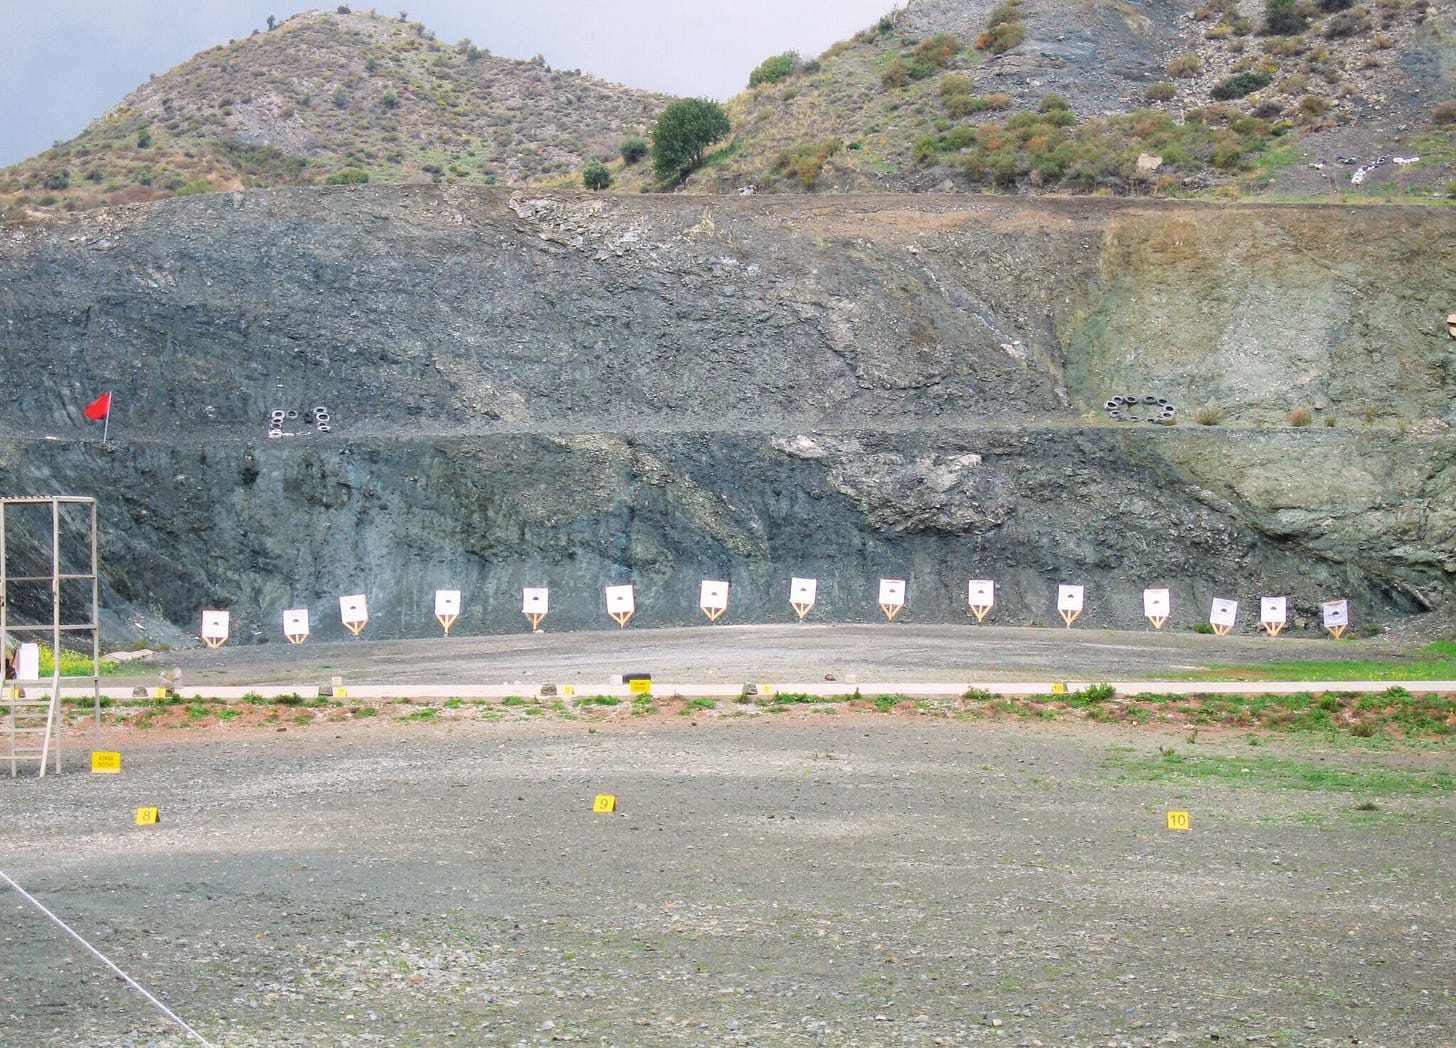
pixel 26 714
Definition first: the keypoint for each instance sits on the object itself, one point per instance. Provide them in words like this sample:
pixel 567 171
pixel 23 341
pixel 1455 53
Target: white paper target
pixel 713 595
pixel 892 593
pixel 535 601
pixel 1069 598
pixel 354 608
pixel 1223 612
pixel 982 593
pixel 295 622
pixel 215 625
pixel 447 602
pixel 27 661
pixel 1156 603
pixel 1337 613
pixel 801 591
pixel 1274 610
pixel 620 600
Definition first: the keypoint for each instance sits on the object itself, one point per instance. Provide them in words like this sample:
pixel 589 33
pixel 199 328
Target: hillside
pixel 928 99
pixel 549 387
pixel 326 95
pixel 1112 97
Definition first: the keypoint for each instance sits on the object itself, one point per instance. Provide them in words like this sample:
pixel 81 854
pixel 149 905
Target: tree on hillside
pixel 683 131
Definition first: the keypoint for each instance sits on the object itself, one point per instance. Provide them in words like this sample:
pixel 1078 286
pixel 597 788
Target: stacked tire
pixel 1130 407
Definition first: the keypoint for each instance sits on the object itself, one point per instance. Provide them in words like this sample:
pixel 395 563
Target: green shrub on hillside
pixel 350 176
pixel 1282 18
pixel 1054 150
pixel 805 163
pixel 1239 85
pixel 772 70
pixel 595 176
pixel 633 150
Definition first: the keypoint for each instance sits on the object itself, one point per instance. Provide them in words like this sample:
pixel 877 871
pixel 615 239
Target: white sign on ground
pixel 713 596
pixel 1223 613
pixel 892 593
pixel 1336 613
pixel 1274 610
pixel 620 600
pixel 295 622
pixel 535 601
pixel 1069 598
pixel 801 591
pixel 981 593
pixel 215 625
pixel 447 602
pixel 354 608
pixel 27 661
pixel 1156 603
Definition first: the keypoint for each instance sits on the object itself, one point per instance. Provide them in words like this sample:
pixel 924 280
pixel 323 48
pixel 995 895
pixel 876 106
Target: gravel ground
pixel 797 879
pixel 780 654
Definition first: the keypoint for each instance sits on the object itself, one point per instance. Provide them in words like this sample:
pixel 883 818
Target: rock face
pixel 551 389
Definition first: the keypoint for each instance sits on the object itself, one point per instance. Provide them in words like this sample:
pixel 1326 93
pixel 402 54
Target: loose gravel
pixel 830 878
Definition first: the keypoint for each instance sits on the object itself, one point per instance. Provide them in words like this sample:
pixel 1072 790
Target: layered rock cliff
pixel 552 389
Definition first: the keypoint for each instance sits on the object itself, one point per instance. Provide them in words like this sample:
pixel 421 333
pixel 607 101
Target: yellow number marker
pixel 640 685
pixel 605 803
pixel 568 690
pixel 1059 688
pixel 148 816
pixel 105 763
pixel 1177 820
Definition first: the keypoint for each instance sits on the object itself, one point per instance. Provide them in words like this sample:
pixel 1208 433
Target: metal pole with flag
pixel 100 408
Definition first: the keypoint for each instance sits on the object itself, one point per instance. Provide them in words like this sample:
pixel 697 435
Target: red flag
pixel 99 408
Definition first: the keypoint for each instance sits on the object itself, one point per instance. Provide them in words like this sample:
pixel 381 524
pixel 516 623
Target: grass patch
pixel 1278 774
pixel 1434 662
pixel 425 713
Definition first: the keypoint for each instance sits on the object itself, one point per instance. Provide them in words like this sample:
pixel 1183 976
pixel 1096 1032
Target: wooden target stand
pixel 214 642
pixel 714 614
pixel 1336 631
pixel 356 626
pixel 1158 621
pixel 801 609
pixel 891 610
pixel 1069 617
pixel 1272 628
pixel 981 611
pixel 296 638
pixel 1221 631
pixel 535 618
pixel 621 618
pixel 446 621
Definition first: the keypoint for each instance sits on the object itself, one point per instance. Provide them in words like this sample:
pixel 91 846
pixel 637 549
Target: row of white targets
pixel 621 605
pixel 278 418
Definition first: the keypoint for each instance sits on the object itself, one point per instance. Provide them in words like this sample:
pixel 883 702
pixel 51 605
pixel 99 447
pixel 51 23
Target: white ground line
pixel 94 952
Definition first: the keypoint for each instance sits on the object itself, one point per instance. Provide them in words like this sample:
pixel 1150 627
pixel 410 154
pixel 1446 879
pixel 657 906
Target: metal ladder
pixel 32 728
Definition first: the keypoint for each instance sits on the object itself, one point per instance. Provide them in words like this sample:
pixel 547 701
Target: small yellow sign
pixel 1059 688
pixel 148 816
pixel 568 690
pixel 161 693
pixel 640 685
pixel 1178 820
pixel 341 693
pixel 605 803
pixel 105 763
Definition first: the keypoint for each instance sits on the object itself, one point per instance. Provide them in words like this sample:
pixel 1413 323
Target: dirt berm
pixel 534 388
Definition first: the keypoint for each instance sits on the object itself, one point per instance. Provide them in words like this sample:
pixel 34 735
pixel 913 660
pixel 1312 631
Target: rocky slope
pixel 534 388
pixel 330 94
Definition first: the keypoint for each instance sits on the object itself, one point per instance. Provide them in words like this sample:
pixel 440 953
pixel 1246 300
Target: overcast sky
pixel 65 62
